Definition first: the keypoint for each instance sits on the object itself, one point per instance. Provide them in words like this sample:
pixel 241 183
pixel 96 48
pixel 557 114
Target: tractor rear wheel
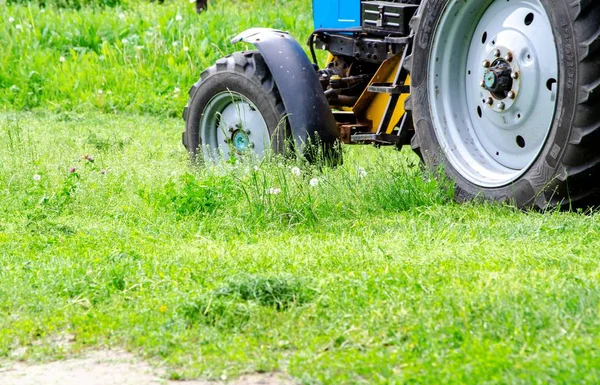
pixel 504 98
pixel 235 109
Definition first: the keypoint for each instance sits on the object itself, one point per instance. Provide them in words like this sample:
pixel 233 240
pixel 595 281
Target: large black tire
pixel 567 171
pixel 247 74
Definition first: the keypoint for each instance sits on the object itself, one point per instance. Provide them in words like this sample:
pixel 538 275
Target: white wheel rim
pixel 232 125
pixel 493 145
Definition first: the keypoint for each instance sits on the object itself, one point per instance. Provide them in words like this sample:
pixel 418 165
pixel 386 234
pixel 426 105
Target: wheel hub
pixel 497 79
pixel 241 141
pixel 501 82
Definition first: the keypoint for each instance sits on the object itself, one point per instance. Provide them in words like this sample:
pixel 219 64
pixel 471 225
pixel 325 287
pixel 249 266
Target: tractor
pixel 499 94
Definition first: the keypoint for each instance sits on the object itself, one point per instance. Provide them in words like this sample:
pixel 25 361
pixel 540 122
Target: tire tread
pixel 581 161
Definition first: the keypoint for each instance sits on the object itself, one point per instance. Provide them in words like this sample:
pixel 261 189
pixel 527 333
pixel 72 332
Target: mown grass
pixel 369 274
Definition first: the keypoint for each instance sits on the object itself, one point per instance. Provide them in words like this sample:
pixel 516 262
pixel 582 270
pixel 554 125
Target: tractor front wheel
pixel 504 98
pixel 235 109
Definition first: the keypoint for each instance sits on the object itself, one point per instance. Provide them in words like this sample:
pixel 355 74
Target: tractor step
pixel 389 88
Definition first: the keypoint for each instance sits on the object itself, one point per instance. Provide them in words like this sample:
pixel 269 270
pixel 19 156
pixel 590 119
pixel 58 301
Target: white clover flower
pixel 175 43
pixel 296 171
pixel 178 18
pixel 314 182
pixel 255 168
pixel 122 16
pixel 177 90
pixel 100 92
pixel 62 59
pixel 186 49
pixel 124 41
pixel 361 172
pixel 274 191
pixel 139 47
pixel 37 177
pixel 11 19
pixel 19 26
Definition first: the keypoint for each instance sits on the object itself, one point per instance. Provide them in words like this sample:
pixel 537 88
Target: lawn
pixel 367 273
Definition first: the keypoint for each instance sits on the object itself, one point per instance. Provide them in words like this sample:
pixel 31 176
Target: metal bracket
pixel 399 81
pixel 377 139
pixel 389 88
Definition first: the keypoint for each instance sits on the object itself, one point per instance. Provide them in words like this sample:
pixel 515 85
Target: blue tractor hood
pixel 336 13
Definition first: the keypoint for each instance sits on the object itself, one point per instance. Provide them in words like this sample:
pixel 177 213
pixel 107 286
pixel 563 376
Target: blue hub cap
pixel 490 79
pixel 241 141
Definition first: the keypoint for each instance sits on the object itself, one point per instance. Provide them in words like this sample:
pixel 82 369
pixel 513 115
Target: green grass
pixel 360 279
pixel 138 57
pixel 373 275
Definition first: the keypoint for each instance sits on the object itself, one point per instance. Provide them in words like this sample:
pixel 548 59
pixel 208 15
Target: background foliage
pixel 137 56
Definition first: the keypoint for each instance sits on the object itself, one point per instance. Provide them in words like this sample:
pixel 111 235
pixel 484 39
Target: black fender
pixel 308 111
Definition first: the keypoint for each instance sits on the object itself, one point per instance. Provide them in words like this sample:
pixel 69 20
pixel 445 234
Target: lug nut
pixel 508 57
pixel 251 145
pixel 490 101
pixel 512 95
pixel 482 84
pixel 486 64
pixel 515 75
pixel 230 129
pixel 501 106
pixel 497 53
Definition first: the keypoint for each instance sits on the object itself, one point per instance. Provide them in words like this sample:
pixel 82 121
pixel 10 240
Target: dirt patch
pixel 110 367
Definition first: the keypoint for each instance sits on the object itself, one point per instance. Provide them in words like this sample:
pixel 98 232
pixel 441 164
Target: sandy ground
pixel 110 367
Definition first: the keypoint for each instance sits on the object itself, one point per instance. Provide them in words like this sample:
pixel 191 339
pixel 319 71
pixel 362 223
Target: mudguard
pixel 308 111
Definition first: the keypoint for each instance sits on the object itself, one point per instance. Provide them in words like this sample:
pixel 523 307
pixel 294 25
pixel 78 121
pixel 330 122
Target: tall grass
pixel 137 57
pixel 247 195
